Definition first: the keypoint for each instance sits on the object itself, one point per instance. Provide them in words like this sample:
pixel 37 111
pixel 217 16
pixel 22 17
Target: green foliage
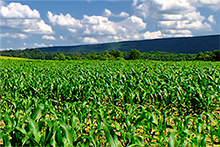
pixel 209 56
pixel 216 55
pixel 29 53
pixel 165 56
pixel 61 56
pixel 75 57
pixel 109 103
pixel 120 58
pixel 113 55
pixel 102 56
pixel 134 54
pixel 116 54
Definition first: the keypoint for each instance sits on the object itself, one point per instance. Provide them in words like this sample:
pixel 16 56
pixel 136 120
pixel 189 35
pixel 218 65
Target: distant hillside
pixel 192 45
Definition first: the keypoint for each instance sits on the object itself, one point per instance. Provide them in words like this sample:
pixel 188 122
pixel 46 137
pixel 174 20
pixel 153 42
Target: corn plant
pixel 109 103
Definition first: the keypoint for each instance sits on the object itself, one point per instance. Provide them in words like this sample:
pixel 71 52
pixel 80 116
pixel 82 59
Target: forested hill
pixel 192 45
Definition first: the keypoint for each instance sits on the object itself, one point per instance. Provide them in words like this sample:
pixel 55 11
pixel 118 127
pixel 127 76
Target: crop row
pixel 117 103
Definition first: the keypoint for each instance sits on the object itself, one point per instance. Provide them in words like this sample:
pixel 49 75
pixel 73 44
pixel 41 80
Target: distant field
pixel 109 103
pixel 12 58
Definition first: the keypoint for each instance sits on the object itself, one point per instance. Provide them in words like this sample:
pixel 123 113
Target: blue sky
pixel 32 24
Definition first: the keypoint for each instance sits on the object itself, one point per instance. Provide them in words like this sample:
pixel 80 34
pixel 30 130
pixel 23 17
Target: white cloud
pixel 211 19
pixel 123 14
pixel 212 4
pixel 133 23
pixel 98 25
pixel 108 13
pixel 179 32
pixel 72 30
pixel 177 35
pixel 152 35
pixel 90 40
pixel 173 17
pixel 94 20
pixel 93 29
pixel 5 49
pixel 134 2
pixel 21 18
pixel 14 35
pixel 16 10
pixel 62 38
pixel 48 37
pixel 37 27
pixel 39 45
pixel 63 20
pixel 174 6
pixel 143 7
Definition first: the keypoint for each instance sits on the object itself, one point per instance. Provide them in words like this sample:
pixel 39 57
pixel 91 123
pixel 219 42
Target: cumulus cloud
pixel 16 10
pixel 39 45
pixel 108 13
pixel 21 18
pixel 98 25
pixel 48 37
pixel 175 18
pixel 212 4
pixel 94 29
pixel 152 35
pixel 211 19
pixel 90 40
pixel 133 22
pixel 62 38
pixel 14 35
pixel 123 14
pixel 63 20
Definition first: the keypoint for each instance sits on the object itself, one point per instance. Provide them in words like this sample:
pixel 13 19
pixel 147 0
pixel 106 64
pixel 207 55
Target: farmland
pixel 109 103
pixel 12 58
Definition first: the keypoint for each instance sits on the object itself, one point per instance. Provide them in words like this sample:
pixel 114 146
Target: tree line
pixel 209 56
pixel 112 55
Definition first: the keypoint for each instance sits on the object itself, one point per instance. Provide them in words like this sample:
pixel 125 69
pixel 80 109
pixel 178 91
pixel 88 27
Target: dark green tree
pixel 134 54
pixel 216 55
pixel 116 54
pixel 60 56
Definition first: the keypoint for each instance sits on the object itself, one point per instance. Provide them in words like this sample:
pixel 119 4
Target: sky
pixel 43 23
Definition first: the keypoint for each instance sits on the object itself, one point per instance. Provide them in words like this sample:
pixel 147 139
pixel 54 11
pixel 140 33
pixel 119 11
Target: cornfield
pixel 109 103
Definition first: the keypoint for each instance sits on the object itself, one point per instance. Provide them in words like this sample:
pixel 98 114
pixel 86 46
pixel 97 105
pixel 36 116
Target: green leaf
pixel 155 119
pixel 26 115
pixel 74 121
pixel 94 138
pixel 173 140
pixel 36 112
pixel 111 136
pixel 139 141
pixel 211 117
pixel 34 129
pixel 10 122
pixel 139 119
pixel 68 133
pixel 48 135
pixel 6 140
pixel 58 138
